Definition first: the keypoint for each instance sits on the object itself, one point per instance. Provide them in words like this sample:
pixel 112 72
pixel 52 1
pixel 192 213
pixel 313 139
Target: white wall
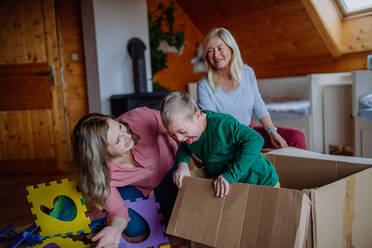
pixel 116 22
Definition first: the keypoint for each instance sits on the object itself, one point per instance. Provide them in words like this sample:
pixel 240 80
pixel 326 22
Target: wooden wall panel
pixel 58 91
pixel 320 64
pixel 71 41
pixel 180 70
pixel 36 69
pixel 25 92
pixel 29 35
pixel 26 135
pixel 22 32
pixel 20 144
pixel 357 35
pixel 3 134
pixel 42 134
pixel 276 38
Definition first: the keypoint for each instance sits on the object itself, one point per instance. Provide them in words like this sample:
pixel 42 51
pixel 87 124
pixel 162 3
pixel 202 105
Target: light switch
pixel 74 56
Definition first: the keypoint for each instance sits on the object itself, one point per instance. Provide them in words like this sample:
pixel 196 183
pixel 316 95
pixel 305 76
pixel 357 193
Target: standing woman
pixel 230 87
pixel 125 159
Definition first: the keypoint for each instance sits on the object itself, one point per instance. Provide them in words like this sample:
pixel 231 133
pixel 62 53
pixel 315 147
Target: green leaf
pixel 164 21
pixel 156 86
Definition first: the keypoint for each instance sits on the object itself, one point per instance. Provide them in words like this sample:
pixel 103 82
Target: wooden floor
pixel 14 207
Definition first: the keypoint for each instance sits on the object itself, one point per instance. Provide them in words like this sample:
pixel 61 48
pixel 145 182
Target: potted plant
pixel 163 38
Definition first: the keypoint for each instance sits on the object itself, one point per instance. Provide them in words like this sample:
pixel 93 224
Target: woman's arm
pixel 266 122
pixel 276 139
pixel 260 111
pixel 117 221
pixel 204 95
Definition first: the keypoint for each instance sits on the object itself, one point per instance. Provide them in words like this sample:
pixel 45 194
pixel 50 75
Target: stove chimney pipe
pixel 136 49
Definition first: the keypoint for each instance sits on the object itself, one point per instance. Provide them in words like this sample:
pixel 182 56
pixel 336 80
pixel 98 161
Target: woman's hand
pixel 182 171
pixel 277 140
pixel 221 186
pixel 109 237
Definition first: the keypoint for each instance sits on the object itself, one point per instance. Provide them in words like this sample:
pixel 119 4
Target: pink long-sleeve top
pixel 155 152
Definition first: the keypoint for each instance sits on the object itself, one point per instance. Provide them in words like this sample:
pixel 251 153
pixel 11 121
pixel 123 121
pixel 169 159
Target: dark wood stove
pixel 123 103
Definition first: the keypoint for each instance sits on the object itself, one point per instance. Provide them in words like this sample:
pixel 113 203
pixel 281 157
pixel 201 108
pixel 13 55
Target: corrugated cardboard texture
pixel 250 216
pixel 349 211
pixel 256 216
pixel 199 212
pixel 295 152
pixel 303 173
pixel 300 169
pixel 197 245
pixel 342 212
pixel 340 193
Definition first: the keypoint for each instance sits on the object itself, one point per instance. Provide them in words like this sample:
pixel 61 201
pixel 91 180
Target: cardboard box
pixel 337 188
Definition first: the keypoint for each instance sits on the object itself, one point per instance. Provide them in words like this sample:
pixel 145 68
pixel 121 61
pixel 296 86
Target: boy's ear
pixel 197 115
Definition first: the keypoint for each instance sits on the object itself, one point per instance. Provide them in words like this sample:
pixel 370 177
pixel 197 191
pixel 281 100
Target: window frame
pixel 352 14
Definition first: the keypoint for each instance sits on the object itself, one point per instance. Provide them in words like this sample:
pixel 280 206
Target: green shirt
pixel 232 149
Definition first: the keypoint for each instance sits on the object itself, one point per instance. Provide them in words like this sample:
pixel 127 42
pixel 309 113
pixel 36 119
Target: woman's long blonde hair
pixel 89 140
pixel 236 62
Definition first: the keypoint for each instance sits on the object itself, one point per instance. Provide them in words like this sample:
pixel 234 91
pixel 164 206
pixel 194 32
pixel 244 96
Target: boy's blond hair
pixel 177 104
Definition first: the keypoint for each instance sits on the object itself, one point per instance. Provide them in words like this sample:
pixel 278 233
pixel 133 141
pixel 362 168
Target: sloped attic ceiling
pixel 276 37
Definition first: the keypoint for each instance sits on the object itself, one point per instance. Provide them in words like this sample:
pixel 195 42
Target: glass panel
pixel 355 5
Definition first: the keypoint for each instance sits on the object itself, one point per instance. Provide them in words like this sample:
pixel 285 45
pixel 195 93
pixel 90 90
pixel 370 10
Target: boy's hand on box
pixel 221 186
pixel 182 171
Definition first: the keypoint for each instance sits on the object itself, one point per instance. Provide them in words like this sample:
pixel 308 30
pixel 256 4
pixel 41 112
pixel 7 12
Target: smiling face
pixel 219 54
pixel 119 141
pixel 184 129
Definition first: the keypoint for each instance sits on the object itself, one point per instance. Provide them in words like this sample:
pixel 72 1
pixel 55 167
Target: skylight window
pixel 355 7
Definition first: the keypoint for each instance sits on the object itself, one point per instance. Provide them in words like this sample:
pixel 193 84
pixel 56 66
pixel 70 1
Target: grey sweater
pixel 242 103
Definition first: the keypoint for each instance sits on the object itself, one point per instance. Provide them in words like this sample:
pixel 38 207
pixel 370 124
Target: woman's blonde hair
pixel 236 62
pixel 89 140
pixel 177 104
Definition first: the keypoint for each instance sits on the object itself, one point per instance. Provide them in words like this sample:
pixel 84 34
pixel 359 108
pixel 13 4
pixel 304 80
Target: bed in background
pixel 362 113
pixel 288 100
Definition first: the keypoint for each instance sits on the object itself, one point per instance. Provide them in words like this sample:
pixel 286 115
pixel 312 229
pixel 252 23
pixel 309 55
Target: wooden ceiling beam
pixel 341 36
pixel 327 22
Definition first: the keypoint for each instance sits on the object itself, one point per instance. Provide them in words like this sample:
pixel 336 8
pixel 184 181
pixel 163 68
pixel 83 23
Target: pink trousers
pixel 294 137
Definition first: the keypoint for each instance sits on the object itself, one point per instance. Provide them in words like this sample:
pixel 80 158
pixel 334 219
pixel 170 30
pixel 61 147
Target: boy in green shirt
pixel 229 150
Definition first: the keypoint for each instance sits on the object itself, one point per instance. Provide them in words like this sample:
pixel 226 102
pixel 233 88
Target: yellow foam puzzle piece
pixel 165 246
pixel 62 242
pixel 44 195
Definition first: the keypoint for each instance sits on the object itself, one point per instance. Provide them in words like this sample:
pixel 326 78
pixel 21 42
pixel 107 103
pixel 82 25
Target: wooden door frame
pixel 60 126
